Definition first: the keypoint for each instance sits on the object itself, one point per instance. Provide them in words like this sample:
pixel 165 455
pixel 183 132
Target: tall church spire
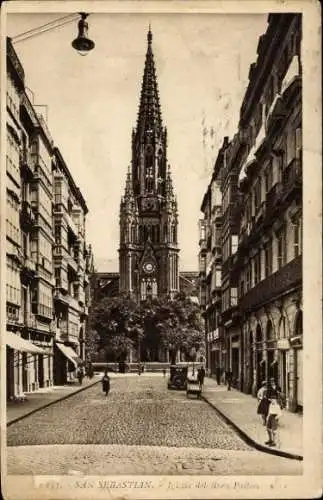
pixel 148 253
pixel 149 116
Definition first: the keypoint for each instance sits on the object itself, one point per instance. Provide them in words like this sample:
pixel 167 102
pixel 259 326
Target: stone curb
pixel 248 439
pixel 66 396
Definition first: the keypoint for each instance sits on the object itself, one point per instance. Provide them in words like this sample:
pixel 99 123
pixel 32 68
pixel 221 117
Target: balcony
pixel 31 322
pixel 292 75
pixel 73 302
pixel 72 226
pixel 27 216
pixel 273 200
pixel 203 244
pixel 71 262
pixel 276 113
pixel 60 297
pixel 28 271
pixel 283 280
pixel 292 179
pixel 26 165
pixel 41 170
pixel 61 284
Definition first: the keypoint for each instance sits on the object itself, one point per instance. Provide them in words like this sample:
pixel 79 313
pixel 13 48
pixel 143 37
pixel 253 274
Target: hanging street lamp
pixel 82 44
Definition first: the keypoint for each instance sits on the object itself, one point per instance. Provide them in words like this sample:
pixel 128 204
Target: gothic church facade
pixel 149 252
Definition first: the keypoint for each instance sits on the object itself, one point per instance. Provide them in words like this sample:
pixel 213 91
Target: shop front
pixel 66 362
pixel 22 365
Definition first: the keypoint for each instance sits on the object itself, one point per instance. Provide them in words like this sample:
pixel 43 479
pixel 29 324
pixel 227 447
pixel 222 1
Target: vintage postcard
pixel 161 260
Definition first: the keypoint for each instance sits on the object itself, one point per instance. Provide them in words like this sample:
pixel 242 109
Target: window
pixel 257 268
pixel 297 234
pixel 233 296
pixel 241 288
pixel 216 194
pixel 257 195
pixel 248 276
pixel 294 144
pixel 281 249
pixel 248 209
pixel 234 243
pixel 268 177
pixel 57 233
pixel 268 259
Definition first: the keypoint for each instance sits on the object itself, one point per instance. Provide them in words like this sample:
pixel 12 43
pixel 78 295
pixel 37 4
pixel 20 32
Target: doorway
pixel 251 366
pixel 24 372
pixel 41 370
pixel 259 357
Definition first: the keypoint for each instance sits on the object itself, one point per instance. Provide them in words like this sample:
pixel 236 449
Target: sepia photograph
pixel 157 250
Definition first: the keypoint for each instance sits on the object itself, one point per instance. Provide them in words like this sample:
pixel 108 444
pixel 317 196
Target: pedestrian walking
pixel 164 372
pixel 139 369
pixel 201 376
pixel 218 375
pixel 274 412
pixel 105 383
pixel 80 375
pixel 263 402
pixel 229 379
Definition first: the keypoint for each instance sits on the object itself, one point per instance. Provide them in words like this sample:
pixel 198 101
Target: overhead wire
pixel 44 28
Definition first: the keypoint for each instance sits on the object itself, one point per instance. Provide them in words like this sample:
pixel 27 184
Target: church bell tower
pixel 148 252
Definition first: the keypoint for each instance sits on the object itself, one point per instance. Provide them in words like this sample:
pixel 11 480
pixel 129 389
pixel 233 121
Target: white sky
pixel 202 64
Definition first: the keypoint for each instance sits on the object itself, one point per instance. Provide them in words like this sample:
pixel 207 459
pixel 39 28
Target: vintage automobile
pixel 177 377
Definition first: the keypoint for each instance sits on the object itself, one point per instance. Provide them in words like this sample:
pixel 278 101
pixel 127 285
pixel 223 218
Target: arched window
pixel 258 334
pixel 149 174
pixel 133 233
pixel 270 331
pixel 282 327
pixel 299 324
pixel 174 235
pixel 141 234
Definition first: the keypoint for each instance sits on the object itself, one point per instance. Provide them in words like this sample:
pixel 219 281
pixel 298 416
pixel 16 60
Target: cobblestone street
pixel 139 416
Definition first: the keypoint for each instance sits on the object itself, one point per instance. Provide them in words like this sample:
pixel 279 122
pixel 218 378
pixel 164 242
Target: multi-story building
pixel 262 237
pixel 29 240
pixel 230 313
pixel 210 265
pixel 31 328
pixel 70 267
pixel 270 249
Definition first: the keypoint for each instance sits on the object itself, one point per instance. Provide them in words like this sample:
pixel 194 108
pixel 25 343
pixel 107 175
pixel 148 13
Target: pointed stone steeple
pixel 128 203
pixel 149 115
pixel 148 253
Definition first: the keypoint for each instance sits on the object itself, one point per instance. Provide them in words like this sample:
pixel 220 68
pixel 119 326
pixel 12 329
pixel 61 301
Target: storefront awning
pixel 19 344
pixel 70 354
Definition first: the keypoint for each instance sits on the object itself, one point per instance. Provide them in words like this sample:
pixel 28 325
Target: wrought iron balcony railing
pixel 270 288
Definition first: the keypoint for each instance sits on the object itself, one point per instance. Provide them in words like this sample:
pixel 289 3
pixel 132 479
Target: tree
pixel 175 324
pixel 118 324
pixel 172 324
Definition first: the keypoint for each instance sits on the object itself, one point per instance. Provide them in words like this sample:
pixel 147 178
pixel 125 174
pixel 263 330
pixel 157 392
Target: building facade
pixel 210 260
pixel 71 269
pixel 31 330
pixel 149 253
pixel 262 238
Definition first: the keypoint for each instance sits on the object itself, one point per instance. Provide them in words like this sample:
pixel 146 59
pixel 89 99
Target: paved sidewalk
pixel 241 410
pixel 45 397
